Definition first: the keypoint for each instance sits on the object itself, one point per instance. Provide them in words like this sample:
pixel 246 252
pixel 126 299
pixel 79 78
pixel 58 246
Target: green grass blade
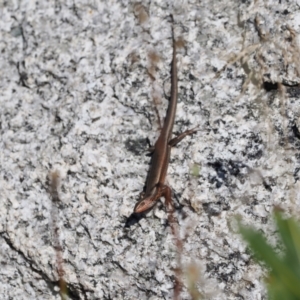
pixel 290 235
pixel 265 253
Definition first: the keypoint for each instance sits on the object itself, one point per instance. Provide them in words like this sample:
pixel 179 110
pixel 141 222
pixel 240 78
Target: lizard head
pixel 144 205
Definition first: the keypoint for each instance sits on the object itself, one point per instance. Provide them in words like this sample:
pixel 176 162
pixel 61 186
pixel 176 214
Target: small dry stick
pixel 173 222
pixel 54 181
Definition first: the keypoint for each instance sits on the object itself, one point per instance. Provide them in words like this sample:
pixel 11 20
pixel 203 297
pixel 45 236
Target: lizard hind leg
pixel 181 136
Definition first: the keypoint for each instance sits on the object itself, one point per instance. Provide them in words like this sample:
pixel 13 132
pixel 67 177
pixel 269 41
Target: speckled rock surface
pixel 76 98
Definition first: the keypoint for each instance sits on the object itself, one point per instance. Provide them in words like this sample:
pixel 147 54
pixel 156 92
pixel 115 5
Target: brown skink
pixel 155 185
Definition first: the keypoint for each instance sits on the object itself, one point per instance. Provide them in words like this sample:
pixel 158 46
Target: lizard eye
pixel 140 207
pixel 142 204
